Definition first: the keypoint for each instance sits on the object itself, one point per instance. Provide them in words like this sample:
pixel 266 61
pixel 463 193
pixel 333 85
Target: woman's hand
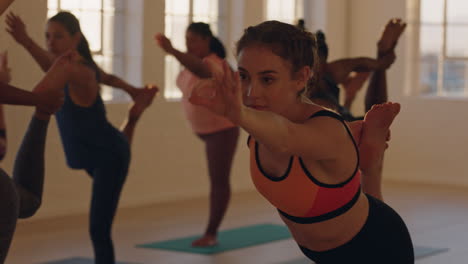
pixel 17 29
pixel 222 94
pixel 164 43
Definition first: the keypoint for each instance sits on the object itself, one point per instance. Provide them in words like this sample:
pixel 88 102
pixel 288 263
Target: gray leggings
pixel 21 196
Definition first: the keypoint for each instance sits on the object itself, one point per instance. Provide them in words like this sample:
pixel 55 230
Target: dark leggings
pixel 220 148
pixel 108 181
pixel 21 197
pixel 384 239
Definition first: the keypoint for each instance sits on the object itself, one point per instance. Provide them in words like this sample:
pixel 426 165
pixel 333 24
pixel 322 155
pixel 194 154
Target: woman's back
pixel 86 134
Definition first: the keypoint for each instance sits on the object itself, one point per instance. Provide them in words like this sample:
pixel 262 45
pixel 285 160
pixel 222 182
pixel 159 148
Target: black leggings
pixel 384 239
pixel 21 197
pixel 108 181
pixel 220 148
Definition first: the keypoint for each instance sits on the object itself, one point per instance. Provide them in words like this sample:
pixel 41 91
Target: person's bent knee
pixel 9 202
pixel 9 213
pixel 30 209
pixel 29 203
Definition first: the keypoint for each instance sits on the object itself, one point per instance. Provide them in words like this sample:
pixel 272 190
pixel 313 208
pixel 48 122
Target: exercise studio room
pixel 233 131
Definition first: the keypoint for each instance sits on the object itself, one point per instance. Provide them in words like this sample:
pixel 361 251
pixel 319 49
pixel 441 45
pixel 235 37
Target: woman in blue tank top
pixel 89 140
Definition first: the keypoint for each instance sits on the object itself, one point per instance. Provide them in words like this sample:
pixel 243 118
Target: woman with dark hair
pixel 349 72
pixel 90 142
pixel 304 158
pixel 352 73
pixel 218 134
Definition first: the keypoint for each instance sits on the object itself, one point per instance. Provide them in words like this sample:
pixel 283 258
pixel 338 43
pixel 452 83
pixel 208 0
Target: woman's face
pixel 58 39
pixel 196 44
pixel 266 79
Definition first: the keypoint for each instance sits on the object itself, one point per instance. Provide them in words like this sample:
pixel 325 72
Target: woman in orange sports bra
pixel 304 159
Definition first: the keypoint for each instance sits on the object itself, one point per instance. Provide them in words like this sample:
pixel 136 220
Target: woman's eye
pixel 267 80
pixel 242 76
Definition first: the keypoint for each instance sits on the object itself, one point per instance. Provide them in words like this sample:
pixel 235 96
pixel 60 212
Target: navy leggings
pixel 108 181
pixel 384 239
pixel 21 196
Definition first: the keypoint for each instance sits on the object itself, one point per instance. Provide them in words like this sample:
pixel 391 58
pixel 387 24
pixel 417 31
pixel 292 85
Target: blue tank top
pixel 87 136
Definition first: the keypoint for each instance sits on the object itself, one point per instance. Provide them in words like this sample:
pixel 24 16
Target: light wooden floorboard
pixel 437 216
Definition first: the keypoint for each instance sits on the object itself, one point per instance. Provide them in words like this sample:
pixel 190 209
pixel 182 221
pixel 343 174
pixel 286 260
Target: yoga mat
pixel 228 239
pixel 419 252
pixel 78 260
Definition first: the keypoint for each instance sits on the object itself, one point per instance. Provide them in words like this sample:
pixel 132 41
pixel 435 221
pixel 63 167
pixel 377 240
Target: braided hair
pixel 295 45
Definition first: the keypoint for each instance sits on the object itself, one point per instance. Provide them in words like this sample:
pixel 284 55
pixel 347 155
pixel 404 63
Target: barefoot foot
pixel 390 35
pixel 374 136
pixel 376 133
pixel 205 241
pixel 143 101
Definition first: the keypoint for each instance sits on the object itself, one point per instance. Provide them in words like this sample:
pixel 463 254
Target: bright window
pixel 97 18
pixel 287 11
pixel 178 15
pixel 443 47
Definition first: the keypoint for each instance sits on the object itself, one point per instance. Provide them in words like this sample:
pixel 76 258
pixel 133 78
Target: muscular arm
pixel 15 96
pixel 319 138
pixel 40 55
pixel 193 64
pixel 116 82
pixel 17 29
pixel 341 69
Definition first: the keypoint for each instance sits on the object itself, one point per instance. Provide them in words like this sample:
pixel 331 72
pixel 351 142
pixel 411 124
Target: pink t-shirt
pixel 202 120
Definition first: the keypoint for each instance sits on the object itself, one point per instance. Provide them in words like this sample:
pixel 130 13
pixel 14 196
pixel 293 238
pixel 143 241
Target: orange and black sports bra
pixel 299 196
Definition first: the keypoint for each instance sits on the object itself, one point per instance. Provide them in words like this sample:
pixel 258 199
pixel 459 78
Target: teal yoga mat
pixel 228 239
pixel 419 252
pixel 78 260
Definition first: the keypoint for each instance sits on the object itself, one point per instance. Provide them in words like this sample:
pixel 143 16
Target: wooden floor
pixel 436 216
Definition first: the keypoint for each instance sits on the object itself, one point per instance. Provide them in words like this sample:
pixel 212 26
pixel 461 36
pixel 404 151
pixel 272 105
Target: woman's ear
pixel 303 76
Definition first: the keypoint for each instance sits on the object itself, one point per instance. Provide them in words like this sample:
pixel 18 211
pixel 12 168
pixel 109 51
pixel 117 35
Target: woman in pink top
pixel 219 134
